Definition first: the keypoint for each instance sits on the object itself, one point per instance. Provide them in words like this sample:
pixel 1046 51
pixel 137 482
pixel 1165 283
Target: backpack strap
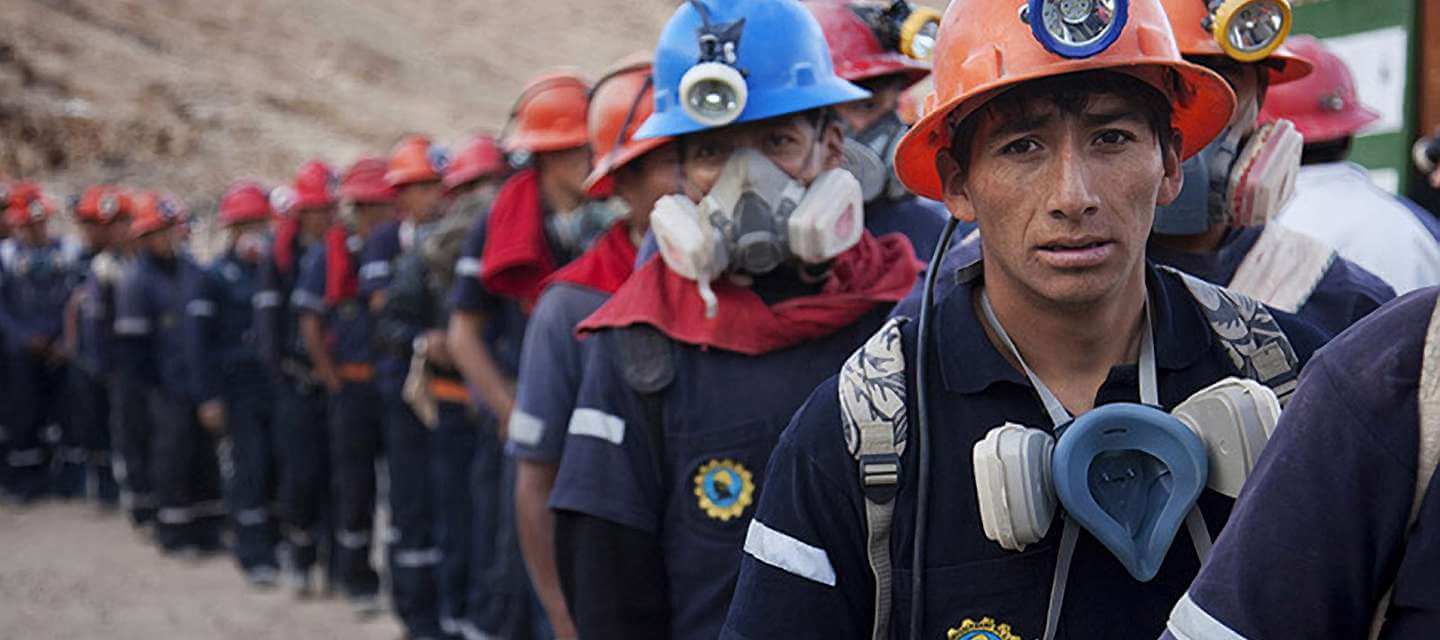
pixel 872 412
pixel 647 363
pixel 1248 333
pixel 1283 268
pixel 1428 444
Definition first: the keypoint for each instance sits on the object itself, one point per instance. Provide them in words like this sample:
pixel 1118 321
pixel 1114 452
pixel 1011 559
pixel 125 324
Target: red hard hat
pixel 550 114
pixel 855 49
pixel 1189 20
pixel 480 157
pixel 244 201
pixel 1323 105
pixel 27 205
pixel 983 49
pixel 414 160
pixel 156 212
pixel 364 182
pixel 623 98
pixel 103 204
pixel 315 186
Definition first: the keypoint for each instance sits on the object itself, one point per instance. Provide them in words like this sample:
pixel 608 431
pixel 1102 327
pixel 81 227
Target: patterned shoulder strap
pixel 1249 334
pixel 872 411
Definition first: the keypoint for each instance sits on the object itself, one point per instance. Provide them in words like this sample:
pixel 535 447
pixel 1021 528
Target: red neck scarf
pixel 341 280
pixel 287 232
pixel 874 272
pixel 516 260
pixel 605 266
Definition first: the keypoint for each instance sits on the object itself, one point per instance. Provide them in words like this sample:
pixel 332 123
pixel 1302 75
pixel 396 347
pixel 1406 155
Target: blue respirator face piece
pixel 1201 202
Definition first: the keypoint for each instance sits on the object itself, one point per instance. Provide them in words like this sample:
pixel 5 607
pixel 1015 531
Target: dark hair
pixel 1326 151
pixel 1071 93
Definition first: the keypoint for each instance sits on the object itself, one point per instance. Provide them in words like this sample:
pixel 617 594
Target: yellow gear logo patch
pixel 985 629
pixel 724 489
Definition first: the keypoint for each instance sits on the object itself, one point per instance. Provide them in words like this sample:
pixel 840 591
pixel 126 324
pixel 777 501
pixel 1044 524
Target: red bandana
pixel 516 260
pixel 341 281
pixel 605 266
pixel 876 271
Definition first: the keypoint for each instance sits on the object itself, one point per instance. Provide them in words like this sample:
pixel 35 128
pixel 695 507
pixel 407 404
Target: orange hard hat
pixel 480 157
pixel 102 204
pixel 1194 23
pixel 622 100
pixel 415 159
pixel 27 205
pixel 156 212
pixel 984 48
pixel 550 114
pixel 315 186
pixel 364 182
pixel 1323 105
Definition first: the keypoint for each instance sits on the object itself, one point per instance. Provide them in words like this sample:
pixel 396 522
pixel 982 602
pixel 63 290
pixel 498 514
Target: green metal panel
pixel 1331 18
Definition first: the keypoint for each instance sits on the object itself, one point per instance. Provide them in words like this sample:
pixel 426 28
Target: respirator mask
pixel 870 156
pixel 1237 182
pixel 756 218
pixel 1128 474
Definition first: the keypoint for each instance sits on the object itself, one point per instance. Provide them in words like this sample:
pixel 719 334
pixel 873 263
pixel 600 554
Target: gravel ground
pixel 68 571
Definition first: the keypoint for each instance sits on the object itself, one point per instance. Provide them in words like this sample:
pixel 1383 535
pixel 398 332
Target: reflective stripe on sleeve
pixel 468 267
pixel 789 554
pixel 375 270
pixel 306 300
pixel 201 308
pixel 1189 622
pixel 525 429
pixel 598 424
pixel 266 299
pixel 132 326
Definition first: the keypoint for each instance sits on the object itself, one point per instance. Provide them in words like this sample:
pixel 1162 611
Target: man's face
pixel 1249 83
pixel 314 220
pixel 161 243
pixel 35 233
pixel 646 179
pixel 420 200
pixel 568 168
pixel 1064 201
pixel 96 235
pixel 884 99
pixel 792 142
pixel 369 214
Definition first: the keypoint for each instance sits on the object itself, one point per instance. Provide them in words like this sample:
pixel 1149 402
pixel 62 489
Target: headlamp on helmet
pixel 902 27
pixel 713 92
pixel 1249 30
pixel 1076 28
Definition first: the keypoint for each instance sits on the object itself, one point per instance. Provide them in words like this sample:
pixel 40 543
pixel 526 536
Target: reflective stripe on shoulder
pixel 1189 622
pixel 526 429
pixel 598 424
pixel 467 267
pixel 789 554
pixel 200 308
pixel 306 300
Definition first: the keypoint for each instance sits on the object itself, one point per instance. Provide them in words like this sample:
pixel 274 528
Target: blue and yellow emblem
pixel 985 629
pixel 724 489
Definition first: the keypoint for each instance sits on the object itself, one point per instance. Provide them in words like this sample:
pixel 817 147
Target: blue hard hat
pixel 780 52
pixel 1129 474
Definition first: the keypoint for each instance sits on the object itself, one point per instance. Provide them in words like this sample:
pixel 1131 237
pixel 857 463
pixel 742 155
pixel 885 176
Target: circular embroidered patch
pixel 985 629
pixel 724 489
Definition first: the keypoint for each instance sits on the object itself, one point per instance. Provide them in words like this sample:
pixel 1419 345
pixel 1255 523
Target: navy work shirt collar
pixel 970 363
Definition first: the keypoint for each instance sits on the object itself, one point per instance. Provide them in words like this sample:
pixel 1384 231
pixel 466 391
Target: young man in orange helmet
pixel 1217 228
pixel 152 346
pixel 337 326
pixel 305 210
pixel 540 221
pixel 234 391
pixel 552 363
pixel 103 212
pixel 914 495
pixel 37 276
pixel 1336 202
